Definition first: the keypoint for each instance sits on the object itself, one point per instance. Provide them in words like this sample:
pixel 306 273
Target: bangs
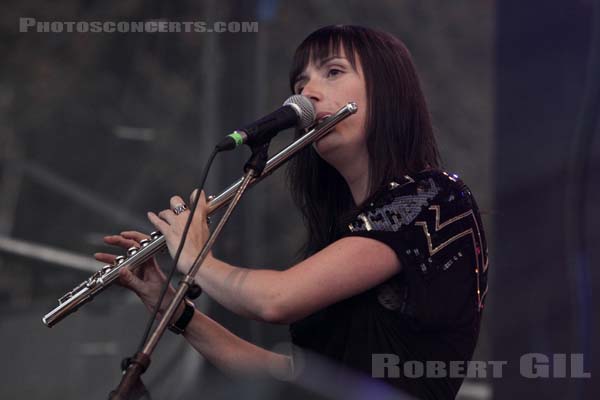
pixel 321 44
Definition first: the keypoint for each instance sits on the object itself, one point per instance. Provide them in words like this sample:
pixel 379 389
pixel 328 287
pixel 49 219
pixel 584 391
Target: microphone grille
pixel 304 108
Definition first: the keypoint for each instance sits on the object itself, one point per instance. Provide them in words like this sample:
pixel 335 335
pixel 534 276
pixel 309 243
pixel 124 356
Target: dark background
pixel 96 129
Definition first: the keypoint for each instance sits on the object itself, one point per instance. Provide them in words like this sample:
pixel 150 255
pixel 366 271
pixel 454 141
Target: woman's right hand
pixel 147 280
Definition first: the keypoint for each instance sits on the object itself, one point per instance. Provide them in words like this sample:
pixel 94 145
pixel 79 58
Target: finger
pixel 193 196
pixel 158 223
pixel 152 272
pixel 168 216
pixel 128 279
pixel 118 240
pixel 135 235
pixel 157 272
pixel 176 201
pixel 105 257
pixel 201 202
pixel 202 208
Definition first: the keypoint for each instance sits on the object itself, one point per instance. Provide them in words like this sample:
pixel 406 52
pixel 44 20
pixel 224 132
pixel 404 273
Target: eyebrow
pixel 324 61
pixel 320 63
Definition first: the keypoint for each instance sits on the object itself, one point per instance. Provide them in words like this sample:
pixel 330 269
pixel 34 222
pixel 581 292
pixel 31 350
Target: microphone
pixel 297 110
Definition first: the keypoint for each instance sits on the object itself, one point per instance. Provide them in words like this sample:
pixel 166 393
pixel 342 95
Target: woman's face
pixel 330 84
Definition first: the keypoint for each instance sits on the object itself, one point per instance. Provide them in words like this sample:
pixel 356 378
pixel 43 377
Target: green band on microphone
pixel 237 138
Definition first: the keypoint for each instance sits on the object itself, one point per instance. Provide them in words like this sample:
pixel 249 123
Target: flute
pixel 134 257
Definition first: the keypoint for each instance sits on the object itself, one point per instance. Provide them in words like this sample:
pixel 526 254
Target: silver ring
pixel 179 208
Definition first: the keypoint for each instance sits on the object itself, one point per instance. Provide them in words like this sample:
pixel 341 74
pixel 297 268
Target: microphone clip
pixel 258 160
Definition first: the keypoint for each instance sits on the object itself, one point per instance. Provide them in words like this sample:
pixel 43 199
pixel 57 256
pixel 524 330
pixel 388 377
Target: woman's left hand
pixel 171 225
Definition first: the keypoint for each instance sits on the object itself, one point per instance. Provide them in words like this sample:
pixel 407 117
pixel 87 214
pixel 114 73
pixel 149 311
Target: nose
pixel 312 91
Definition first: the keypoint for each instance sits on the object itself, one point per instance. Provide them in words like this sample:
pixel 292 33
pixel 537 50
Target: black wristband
pixel 188 312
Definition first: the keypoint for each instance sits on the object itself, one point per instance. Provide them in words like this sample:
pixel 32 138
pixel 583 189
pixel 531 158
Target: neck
pixel 356 175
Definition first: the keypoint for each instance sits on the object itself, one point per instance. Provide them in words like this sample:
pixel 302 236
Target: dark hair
pixel 400 138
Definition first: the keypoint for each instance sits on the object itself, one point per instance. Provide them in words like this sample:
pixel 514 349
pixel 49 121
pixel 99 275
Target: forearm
pixel 246 292
pixel 231 353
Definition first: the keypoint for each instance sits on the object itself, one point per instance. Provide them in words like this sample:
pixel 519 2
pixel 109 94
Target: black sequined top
pixel 431 310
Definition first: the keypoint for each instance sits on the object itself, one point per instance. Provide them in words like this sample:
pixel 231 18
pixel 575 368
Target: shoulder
pixel 401 202
pixel 430 219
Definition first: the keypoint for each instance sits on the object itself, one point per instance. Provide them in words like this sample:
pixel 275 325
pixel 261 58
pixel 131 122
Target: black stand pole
pixel 131 386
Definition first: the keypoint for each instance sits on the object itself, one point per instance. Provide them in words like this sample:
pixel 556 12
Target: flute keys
pixel 119 259
pixel 155 235
pixel 132 250
pixel 66 297
pixel 145 242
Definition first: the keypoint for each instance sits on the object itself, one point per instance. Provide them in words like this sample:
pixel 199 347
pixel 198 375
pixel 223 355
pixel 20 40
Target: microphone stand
pixel 131 386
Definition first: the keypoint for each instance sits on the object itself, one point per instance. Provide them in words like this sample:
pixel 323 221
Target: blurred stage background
pixel 97 129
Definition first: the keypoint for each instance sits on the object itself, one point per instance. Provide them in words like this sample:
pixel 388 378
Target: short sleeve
pixel 433 225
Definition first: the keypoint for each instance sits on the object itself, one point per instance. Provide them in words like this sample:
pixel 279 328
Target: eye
pixel 334 72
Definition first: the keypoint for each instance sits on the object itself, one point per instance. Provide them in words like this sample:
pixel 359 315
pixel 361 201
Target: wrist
pixel 185 266
pixel 177 313
pixel 185 263
pixel 185 316
pixel 161 312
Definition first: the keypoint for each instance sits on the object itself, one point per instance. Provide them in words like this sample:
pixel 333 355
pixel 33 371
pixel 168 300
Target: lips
pixel 321 116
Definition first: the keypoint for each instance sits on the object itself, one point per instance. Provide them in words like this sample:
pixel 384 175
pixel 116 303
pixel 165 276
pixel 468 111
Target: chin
pixel 324 148
pixel 328 150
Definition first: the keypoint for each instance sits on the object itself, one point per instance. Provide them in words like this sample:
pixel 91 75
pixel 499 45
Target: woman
pixel 396 255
